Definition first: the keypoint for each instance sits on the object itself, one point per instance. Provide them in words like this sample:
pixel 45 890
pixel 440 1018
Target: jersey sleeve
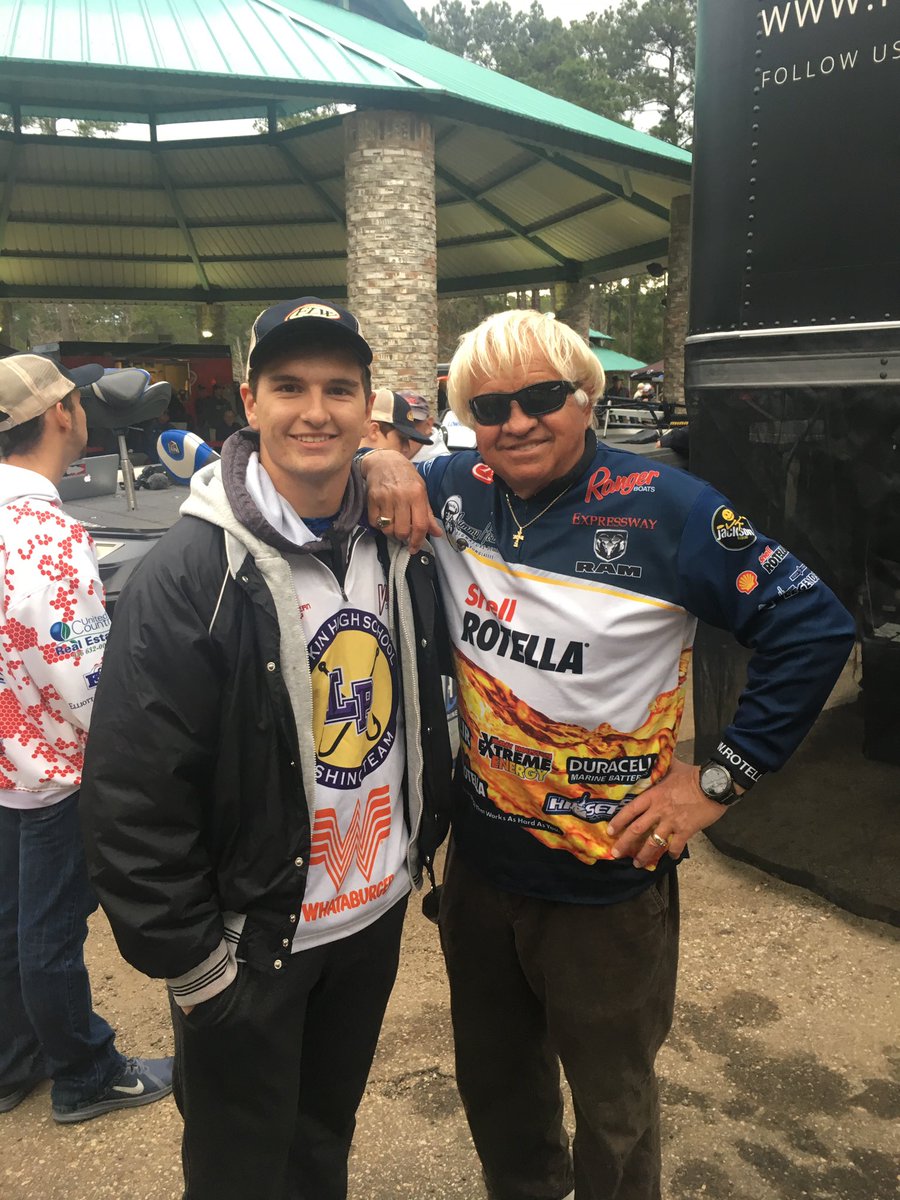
pixel 433 472
pixel 61 628
pixel 735 578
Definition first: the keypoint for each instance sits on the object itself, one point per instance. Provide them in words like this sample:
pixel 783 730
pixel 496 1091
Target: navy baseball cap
pixel 304 321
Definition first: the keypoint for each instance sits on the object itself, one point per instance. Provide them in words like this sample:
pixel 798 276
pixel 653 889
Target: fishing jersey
pixel 359 841
pixel 357 861
pixel 53 629
pixel 572 635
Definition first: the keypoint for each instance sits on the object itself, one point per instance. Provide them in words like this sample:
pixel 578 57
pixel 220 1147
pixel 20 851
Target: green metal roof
pixel 613 362
pixel 530 189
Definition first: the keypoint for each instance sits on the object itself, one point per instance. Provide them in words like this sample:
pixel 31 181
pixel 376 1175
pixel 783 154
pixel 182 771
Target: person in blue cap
pixel 273 669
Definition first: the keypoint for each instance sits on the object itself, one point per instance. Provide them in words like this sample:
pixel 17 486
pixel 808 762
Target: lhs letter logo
pixel 355 707
pixel 364 836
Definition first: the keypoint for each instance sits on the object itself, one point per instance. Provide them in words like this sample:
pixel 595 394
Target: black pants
pixel 269 1074
pixel 533 983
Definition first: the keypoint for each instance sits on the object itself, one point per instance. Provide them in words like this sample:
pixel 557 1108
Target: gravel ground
pixel 781 1078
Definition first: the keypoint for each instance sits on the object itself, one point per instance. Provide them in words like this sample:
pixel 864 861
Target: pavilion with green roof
pixel 435 176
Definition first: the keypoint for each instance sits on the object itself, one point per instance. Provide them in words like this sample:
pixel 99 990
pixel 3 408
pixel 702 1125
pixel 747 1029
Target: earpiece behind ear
pixel 581 397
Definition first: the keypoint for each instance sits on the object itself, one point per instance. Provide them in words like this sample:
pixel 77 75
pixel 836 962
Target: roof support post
pixel 676 323
pixel 392 244
pixel 175 205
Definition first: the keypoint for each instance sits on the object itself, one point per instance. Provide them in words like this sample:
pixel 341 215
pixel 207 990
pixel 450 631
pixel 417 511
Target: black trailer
pixel 793 389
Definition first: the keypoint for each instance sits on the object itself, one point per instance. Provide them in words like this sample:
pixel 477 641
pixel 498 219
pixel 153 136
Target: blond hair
pixel 514 339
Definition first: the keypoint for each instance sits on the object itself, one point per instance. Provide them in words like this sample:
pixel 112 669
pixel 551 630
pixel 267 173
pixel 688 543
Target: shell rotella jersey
pixel 53 628
pixel 572 645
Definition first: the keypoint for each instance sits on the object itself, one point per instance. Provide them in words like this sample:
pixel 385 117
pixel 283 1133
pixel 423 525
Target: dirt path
pixel 781 1079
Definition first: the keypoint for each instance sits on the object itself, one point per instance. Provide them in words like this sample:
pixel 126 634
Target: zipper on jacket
pixel 408 642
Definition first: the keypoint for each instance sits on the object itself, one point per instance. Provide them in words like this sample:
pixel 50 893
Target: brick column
pixel 392 246
pixel 676 321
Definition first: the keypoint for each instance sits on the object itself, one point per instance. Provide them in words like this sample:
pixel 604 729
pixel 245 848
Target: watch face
pixel 715 781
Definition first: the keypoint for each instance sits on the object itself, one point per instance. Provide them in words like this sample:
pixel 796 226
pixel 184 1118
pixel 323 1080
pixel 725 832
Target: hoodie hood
pixel 18 483
pixel 219 495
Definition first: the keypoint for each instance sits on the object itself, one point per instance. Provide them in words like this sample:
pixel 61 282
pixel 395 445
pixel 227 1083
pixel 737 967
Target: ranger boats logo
pixel 532 649
pixel 601 484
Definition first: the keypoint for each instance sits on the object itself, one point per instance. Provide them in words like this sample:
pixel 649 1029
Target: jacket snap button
pixel 298 861
pixel 278 964
pixel 285 942
pixel 424 559
pixel 293 918
pixel 424 641
pixel 270 666
pixel 244 579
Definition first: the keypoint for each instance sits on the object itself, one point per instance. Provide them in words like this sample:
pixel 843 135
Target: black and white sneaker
pixel 142 1081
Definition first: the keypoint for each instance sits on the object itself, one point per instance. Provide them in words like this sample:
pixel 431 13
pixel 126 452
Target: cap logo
pixel 314 310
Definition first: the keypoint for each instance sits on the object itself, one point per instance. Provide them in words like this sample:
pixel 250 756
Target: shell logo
pixel 747 582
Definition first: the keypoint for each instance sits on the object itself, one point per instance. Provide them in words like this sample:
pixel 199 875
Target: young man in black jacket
pixel 258 799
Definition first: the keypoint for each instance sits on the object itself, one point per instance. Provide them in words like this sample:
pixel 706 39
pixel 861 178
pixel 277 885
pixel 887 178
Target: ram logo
pixel 610 544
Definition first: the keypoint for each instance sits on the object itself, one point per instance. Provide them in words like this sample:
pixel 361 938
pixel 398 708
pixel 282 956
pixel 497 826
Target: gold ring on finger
pixel 662 842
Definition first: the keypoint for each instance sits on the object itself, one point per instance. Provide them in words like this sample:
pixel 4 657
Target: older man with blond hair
pixel 573 575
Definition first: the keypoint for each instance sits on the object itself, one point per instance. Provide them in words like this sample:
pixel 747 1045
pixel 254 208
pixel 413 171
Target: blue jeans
pixel 48 1022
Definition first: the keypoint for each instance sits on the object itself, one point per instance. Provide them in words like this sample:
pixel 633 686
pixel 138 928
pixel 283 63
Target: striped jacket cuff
pixel 206 980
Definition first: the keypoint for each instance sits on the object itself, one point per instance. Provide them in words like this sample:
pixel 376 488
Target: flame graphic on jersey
pixel 488 705
pixel 363 837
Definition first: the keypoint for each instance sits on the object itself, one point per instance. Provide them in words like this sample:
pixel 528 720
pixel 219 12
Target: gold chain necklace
pixel 519 535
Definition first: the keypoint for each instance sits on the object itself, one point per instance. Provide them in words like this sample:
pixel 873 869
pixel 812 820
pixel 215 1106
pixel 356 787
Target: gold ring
pixel 383 522
pixel 662 842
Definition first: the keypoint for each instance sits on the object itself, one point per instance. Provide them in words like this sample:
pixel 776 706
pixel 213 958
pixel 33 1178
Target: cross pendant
pixel 518 538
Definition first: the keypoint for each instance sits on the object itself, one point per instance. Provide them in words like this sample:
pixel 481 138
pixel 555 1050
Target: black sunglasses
pixel 536 400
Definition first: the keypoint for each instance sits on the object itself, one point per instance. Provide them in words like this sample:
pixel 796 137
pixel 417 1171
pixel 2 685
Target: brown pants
pixel 533 983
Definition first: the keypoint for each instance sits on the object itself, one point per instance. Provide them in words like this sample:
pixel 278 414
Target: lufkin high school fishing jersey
pixel 572 647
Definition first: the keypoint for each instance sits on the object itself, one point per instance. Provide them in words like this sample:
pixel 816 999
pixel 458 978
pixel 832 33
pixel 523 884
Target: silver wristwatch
pixel 717 784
